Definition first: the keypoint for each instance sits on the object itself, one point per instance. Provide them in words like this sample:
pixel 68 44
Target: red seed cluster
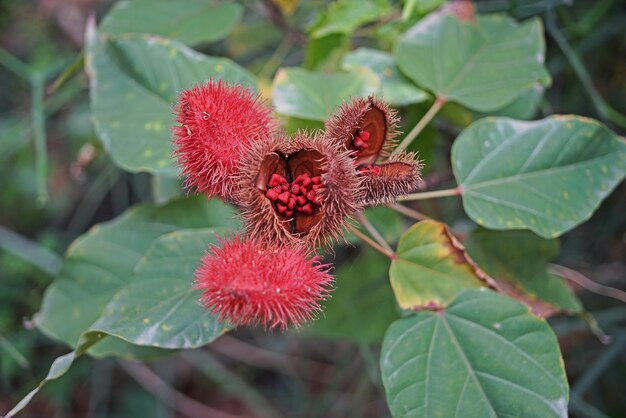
pixel 299 196
pixel 360 139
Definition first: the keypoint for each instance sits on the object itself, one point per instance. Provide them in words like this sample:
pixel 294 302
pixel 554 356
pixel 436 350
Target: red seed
pixel 359 144
pixel 316 180
pixel 318 200
pixel 306 180
pixel 289 213
pixel 306 209
pixel 301 200
pixel 295 189
pixel 276 180
pixel 365 136
pixel 271 194
pixel 318 186
pixel 311 195
pixel 292 202
pixel 284 197
pixel 281 208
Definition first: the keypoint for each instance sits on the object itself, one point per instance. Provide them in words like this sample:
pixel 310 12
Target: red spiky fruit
pixel 247 282
pixel 217 121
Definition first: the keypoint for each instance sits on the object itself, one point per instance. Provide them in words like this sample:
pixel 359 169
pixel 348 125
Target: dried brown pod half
pixel 396 176
pixel 297 192
pixel 367 128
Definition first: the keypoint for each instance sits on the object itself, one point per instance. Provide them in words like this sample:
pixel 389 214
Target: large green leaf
pixel 101 262
pixel 188 21
pixel 315 96
pixel 344 16
pixel 362 305
pixel 482 64
pixel 547 176
pixel 160 307
pixel 134 80
pixel 485 356
pixel 431 267
pixel 518 261
pixel 394 87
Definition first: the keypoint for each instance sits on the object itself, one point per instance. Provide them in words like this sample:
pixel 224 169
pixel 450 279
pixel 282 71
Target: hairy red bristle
pixel 246 282
pixel 217 121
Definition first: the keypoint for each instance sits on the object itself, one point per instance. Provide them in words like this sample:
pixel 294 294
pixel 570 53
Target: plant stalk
pixel 430 114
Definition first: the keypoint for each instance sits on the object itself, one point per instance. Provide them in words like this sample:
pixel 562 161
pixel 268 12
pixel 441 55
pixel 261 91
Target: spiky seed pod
pixel 396 176
pixel 247 282
pixel 366 126
pixel 217 121
pixel 297 192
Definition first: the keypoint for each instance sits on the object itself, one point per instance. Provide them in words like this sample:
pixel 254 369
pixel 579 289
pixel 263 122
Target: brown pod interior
pixel 395 169
pixel 374 122
pixel 291 166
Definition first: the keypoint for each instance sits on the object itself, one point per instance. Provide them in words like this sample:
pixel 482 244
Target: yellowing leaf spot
pixel 219 68
pixel 146 320
pixel 155 126
pixel 166 327
pixel 76 313
pixel 162 163
pixel 565 195
pixel 147 152
pixel 130 95
pixel 162 86
pixel 604 169
pixel 173 52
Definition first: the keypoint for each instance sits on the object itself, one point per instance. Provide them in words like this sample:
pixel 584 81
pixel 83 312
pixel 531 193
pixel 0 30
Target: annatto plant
pixel 468 335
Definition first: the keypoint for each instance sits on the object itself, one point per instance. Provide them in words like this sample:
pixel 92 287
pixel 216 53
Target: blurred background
pixel 325 371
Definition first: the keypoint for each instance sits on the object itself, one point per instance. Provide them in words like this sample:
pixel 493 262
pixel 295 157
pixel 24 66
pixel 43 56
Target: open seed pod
pixel 297 192
pixel 367 128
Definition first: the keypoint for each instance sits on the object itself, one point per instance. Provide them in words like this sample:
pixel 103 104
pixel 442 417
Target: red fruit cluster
pixel 247 282
pixel 293 195
pixel 299 196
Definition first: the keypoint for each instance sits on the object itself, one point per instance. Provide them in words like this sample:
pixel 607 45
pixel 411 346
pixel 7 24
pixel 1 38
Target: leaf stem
pixel 430 114
pixel 39 125
pixel 604 110
pixel 360 216
pixel 273 62
pixel 30 251
pixel 371 242
pixel 430 195
pixel 409 212
pixel 585 282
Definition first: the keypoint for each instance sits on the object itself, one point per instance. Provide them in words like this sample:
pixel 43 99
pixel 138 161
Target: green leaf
pixel 431 268
pixel 160 307
pixel 187 21
pixel 344 16
pixel 485 356
pixel 315 96
pixel 395 87
pixel 483 65
pixel 59 367
pixel 101 262
pixel 362 305
pixel 547 176
pixel 518 261
pixel 523 107
pixel 134 81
